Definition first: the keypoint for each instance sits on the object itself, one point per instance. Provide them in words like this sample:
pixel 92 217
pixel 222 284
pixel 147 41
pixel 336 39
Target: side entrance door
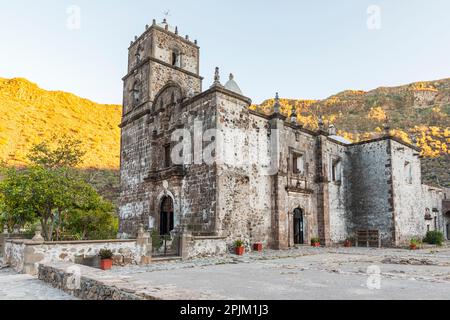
pixel 299 227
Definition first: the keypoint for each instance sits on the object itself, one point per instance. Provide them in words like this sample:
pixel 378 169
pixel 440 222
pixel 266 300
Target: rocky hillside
pixel 418 113
pixel 30 115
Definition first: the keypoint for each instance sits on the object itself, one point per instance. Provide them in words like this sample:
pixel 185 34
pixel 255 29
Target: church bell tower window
pixel 136 93
pixel 176 58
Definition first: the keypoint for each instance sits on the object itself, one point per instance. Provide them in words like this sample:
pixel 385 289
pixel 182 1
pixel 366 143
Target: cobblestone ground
pixel 15 286
pixel 308 273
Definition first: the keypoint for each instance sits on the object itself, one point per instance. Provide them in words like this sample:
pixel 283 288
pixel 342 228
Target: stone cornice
pixel 393 138
pixel 149 59
pixel 216 89
pixel 170 33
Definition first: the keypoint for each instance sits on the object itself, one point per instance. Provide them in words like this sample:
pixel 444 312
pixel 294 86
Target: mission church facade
pixel 323 185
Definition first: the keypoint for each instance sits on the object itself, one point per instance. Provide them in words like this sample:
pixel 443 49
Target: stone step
pixel 165 259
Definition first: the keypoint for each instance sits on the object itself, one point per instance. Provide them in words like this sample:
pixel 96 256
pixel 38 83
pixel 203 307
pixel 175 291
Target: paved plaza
pixel 308 273
pixel 25 287
pixel 297 274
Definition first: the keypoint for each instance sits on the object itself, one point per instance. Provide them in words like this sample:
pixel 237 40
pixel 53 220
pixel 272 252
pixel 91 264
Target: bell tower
pixel 158 57
pixel 163 71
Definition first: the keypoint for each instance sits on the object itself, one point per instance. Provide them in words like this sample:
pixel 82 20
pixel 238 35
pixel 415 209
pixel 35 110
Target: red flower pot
pixel 258 247
pixel 316 244
pixel 347 244
pixel 413 246
pixel 240 251
pixel 106 264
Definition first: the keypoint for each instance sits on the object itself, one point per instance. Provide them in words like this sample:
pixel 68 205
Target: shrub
pixel 238 243
pixel 157 241
pixel 434 237
pixel 105 254
pixel 416 242
pixel 315 240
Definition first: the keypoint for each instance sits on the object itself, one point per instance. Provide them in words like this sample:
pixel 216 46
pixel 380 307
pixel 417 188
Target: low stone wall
pixel 7 236
pixel 84 282
pixel 93 284
pixel 200 247
pixel 25 255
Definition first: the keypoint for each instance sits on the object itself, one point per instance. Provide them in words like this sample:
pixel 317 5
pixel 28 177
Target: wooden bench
pixel 368 238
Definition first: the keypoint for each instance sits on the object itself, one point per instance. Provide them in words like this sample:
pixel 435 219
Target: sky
pixel 301 49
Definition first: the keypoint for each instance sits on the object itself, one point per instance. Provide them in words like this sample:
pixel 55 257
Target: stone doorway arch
pixel 166 216
pixel 447 224
pixel 299 227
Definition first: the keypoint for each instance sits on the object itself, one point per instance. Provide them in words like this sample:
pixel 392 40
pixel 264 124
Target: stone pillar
pixel 144 246
pixel 185 240
pixel 38 235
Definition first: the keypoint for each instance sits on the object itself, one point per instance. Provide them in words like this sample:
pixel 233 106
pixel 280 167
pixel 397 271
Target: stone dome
pixel 232 85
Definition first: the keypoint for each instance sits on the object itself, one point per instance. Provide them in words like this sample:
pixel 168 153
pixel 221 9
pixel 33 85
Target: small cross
pixel 166 14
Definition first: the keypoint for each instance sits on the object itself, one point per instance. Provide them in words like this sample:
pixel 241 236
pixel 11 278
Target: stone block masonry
pixel 268 179
pixel 24 256
pixel 93 284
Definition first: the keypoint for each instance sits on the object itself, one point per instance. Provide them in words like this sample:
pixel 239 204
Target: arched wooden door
pixel 166 217
pixel 299 227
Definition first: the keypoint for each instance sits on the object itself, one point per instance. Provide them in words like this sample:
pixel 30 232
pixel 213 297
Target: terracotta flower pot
pixel 106 264
pixel 413 246
pixel 347 244
pixel 258 247
pixel 316 244
pixel 240 251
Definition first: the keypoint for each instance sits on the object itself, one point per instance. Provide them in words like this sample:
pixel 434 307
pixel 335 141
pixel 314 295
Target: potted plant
pixel 414 244
pixel 348 243
pixel 315 242
pixel 105 259
pixel 239 247
pixel 258 246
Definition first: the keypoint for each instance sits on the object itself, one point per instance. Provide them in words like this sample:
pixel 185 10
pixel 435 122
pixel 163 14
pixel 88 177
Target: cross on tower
pixel 166 15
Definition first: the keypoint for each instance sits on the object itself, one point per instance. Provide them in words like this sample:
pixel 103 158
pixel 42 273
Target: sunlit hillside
pixel 30 114
pixel 418 113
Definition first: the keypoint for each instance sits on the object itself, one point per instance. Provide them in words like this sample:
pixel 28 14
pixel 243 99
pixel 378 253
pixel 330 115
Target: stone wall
pixel 25 255
pixel 409 201
pixel 339 217
pixel 244 192
pixel 93 284
pixel 84 282
pixel 200 247
pixel 370 196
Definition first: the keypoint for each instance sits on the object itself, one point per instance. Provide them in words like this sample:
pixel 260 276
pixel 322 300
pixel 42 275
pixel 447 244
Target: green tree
pixel 52 193
pixel 68 153
pixel 92 217
pixel 61 201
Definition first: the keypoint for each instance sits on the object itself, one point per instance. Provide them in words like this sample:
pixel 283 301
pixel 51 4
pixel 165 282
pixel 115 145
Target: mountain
pixel 30 115
pixel 418 113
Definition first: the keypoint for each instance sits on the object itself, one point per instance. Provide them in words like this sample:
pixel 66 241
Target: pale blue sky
pixel 303 49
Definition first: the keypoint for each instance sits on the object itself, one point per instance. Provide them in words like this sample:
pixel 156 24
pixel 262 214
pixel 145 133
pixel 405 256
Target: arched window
pixel 176 58
pixel 136 93
pixel 138 55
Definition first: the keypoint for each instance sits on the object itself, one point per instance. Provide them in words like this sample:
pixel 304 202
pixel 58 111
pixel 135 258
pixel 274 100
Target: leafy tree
pixel 52 193
pixel 92 217
pixel 60 200
pixel 68 153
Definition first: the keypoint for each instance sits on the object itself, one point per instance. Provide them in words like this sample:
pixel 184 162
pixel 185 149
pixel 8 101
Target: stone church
pixel 251 176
